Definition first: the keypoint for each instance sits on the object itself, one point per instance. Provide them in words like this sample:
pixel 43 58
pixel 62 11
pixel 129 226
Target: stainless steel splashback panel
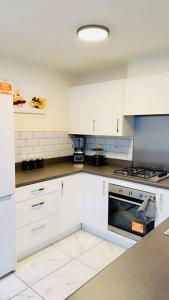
pixel 151 141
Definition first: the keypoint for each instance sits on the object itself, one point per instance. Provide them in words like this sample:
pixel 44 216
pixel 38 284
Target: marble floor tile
pixel 60 284
pixel 39 265
pixel 10 286
pixel 77 243
pixel 27 295
pixel 101 255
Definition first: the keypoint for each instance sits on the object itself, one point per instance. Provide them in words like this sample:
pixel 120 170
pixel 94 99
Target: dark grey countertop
pixel 141 273
pixel 56 170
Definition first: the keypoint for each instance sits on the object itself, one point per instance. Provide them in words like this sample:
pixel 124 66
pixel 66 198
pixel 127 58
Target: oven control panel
pixel 129 192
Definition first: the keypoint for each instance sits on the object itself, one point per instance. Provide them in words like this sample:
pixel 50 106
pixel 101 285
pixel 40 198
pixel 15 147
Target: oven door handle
pixel 123 200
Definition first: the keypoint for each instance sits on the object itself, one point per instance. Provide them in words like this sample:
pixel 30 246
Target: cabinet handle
pixel 117 125
pixel 38 228
pixel 37 191
pixel 62 187
pixel 103 187
pixel 93 125
pixel 38 204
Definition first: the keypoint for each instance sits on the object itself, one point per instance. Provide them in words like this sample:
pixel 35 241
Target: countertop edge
pixel 92 172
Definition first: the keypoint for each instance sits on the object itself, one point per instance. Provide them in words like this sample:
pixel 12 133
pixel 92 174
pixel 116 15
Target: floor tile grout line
pixel 30 285
pixel 92 247
pixel 63 252
pixel 87 265
pixel 24 291
pixel 37 293
pixel 61 268
pixel 82 252
pixel 18 293
pixel 101 240
pixel 72 258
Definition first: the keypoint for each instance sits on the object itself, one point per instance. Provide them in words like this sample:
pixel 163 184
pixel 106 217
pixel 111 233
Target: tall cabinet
pixel 97 109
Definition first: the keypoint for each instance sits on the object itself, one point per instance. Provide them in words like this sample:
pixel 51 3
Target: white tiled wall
pixel 42 144
pixel 119 148
pixel 49 144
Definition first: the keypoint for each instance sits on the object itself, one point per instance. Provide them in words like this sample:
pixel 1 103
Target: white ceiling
pixel 44 31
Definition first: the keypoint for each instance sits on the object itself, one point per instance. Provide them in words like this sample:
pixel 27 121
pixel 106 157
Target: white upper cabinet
pixel 148 95
pixel 96 109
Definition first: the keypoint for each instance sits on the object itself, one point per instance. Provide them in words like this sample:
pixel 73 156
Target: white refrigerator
pixel 7 182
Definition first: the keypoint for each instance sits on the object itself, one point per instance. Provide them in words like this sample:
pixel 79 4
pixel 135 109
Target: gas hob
pixel 154 175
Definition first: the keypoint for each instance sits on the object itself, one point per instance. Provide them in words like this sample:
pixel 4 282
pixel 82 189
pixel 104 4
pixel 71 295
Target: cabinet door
pixel 97 108
pixel 81 111
pixel 95 202
pixel 7 162
pixel 109 105
pixel 147 95
pixel 162 206
pixel 70 211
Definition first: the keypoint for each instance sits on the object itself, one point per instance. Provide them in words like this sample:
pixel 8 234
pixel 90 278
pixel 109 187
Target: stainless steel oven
pixel 122 213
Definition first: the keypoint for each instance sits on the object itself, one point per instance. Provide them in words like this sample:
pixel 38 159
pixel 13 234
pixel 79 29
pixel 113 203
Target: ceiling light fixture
pixel 93 33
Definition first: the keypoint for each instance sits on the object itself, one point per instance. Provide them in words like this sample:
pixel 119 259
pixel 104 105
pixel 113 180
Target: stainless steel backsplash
pixel 151 141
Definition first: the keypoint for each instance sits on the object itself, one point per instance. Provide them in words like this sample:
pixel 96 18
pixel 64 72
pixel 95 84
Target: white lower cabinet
pixel 32 210
pixel 95 202
pixel 35 236
pixel 70 195
pixel 162 209
pixel 68 203
pixel 44 219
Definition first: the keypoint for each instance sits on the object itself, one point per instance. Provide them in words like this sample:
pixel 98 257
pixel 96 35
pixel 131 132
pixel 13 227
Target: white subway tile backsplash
pixel 35 134
pixel 20 143
pixel 17 135
pixel 25 134
pixel 43 141
pixel 49 144
pixel 31 142
pixel 44 144
pixel 17 151
pixel 114 147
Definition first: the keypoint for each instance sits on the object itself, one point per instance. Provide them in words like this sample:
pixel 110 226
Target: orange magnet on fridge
pixel 5 88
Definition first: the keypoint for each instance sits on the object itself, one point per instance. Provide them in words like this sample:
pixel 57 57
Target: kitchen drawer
pixel 35 190
pixel 33 210
pixel 35 236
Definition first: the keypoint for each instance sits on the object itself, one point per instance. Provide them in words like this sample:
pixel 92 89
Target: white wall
pixel 149 64
pixel 31 81
pixel 104 75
